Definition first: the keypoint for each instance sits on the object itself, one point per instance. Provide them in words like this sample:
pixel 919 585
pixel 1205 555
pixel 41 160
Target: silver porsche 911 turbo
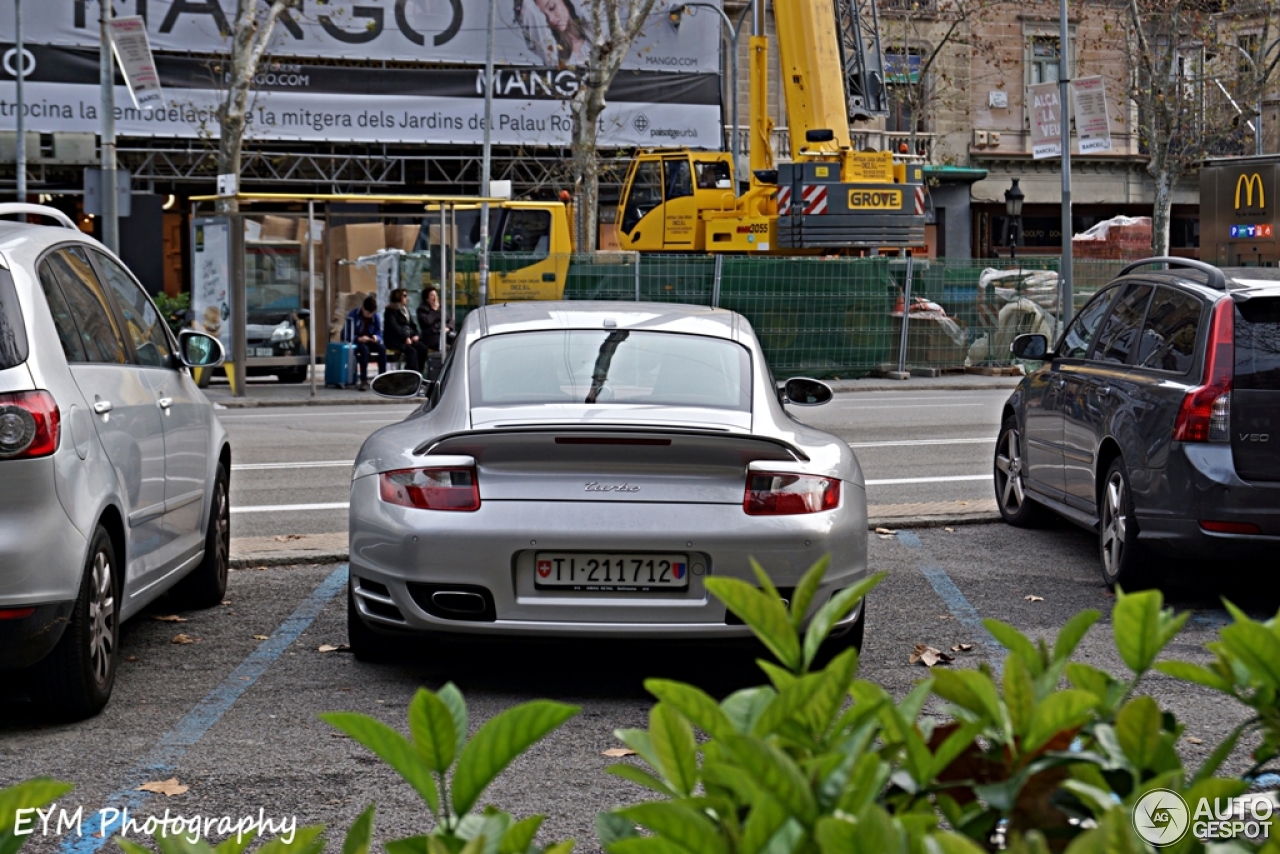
pixel 581 468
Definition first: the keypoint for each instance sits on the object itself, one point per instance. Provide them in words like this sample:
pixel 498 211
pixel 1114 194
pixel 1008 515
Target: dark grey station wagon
pixel 1155 420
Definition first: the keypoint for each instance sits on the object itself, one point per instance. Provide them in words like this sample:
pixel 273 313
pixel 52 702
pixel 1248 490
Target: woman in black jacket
pixel 401 333
pixel 429 319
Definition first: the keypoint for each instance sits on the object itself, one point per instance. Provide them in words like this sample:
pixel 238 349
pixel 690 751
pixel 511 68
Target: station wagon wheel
pixel 205 585
pixel 74 681
pixel 1123 561
pixel 1011 497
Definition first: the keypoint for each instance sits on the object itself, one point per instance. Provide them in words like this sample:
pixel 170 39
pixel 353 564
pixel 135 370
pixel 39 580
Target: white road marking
pixel 951 479
pixel 985 440
pixel 928 406
pixel 290 508
pixel 300 411
pixel 315 464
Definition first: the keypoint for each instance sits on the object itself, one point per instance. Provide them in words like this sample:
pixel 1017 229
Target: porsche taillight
pixel 780 494
pixel 1205 413
pixel 431 488
pixel 30 425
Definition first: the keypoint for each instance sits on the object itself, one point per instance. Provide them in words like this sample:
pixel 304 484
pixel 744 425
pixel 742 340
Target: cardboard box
pixel 401 236
pixel 350 242
pixel 433 236
pixel 317 235
pixel 279 228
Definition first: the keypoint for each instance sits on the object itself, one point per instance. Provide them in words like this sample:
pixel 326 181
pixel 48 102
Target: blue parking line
pixel 955 601
pixel 163 758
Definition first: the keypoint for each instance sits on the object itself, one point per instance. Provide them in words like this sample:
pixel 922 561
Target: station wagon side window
pixel 1168 340
pixel 1120 333
pixel 141 320
pixel 1075 344
pixel 86 325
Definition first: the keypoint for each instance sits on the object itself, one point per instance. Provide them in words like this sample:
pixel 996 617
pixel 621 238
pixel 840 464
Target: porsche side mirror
pixel 803 391
pixel 398 384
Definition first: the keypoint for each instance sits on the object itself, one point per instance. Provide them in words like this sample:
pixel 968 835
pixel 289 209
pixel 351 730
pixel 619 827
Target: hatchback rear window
pixel 1258 344
pixel 13 335
pixel 609 367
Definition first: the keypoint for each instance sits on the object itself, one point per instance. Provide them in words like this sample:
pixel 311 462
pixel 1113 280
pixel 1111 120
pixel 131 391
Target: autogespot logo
pixel 1161 817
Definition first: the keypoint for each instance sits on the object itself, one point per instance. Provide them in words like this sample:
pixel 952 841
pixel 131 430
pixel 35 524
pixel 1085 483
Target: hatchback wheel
pixel 75 680
pixel 205 586
pixel 1011 497
pixel 1123 560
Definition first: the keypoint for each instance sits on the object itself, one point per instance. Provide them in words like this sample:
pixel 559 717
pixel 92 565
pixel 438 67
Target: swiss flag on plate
pixel 544 568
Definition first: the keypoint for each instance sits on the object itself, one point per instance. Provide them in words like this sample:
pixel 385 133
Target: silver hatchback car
pixel 580 469
pixel 113 466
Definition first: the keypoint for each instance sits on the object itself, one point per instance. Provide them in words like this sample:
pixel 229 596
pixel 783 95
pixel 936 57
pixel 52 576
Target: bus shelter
pixel 275 279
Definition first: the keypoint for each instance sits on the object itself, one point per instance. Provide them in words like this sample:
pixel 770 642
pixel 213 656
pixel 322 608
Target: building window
pixel 1043 58
pixel 902 76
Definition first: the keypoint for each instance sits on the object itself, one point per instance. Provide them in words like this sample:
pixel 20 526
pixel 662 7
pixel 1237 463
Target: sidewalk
pixel 271 393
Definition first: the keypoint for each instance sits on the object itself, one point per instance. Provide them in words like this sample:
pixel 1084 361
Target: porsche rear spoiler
pixel 468 442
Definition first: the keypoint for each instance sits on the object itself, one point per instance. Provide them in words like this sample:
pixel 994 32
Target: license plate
pixel 610 571
pixel 261 351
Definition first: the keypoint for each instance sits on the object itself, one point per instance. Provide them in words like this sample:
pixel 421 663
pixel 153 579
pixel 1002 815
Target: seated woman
pixel 402 334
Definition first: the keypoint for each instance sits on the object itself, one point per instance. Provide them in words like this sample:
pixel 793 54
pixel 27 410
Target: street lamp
pixel 1013 213
pixel 675 14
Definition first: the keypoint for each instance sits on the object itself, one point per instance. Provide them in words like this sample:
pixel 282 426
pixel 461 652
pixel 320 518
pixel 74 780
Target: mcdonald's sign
pixel 1246 184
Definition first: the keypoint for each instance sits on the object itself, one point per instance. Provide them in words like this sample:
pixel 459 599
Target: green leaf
pixel 825 704
pixel 485 831
pixel 808 586
pixel 1019 693
pixel 1091 679
pixel 694 703
pixel 1138 729
pixel 1061 711
pixel 457 706
pixel 953 746
pixel 239 843
pixel 502 738
pixel 1142 627
pixel 307 840
pixel 182 843
pixel 1194 673
pixel 392 748
pixel 415 845
pixel 611 827
pixel 565 847
pixel 640 741
pixel 743 708
pixel 28 795
pixel 971 690
pixel 947 842
pixel 679 824
pixel 835 610
pixel 641 777
pixel 360 834
pixel 765 819
pixel 431 727
pixel 874 833
pixel 1257 648
pixel 127 846
pixel 776 773
pixel 645 845
pixel 1073 632
pixel 788 702
pixel 676 749
pixel 1017 643
pixel 765 614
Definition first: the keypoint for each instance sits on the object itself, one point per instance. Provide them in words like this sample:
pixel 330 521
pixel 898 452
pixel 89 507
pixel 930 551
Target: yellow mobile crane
pixel 828 199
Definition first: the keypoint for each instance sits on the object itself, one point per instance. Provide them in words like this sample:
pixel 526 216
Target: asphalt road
pixel 233 717
pixel 291 465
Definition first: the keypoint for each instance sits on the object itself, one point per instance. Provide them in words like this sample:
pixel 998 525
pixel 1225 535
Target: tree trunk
pixel 1161 210
pixel 586 169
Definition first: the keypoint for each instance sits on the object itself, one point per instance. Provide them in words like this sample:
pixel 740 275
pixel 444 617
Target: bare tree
pixel 1183 55
pixel 615 24
pixel 250 35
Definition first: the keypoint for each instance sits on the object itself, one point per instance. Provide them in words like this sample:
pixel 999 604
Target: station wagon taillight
pixel 1205 413
pixel 431 488
pixel 30 425
pixel 779 494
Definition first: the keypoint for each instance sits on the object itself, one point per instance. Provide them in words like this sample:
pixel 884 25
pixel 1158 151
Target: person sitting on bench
pixel 364 329
pixel 402 333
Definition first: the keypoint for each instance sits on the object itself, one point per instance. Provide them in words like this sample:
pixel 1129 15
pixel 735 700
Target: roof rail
pixel 1214 277
pixel 11 208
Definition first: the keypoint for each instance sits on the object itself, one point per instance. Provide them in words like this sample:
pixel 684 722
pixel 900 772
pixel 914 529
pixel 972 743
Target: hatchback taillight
pixel 30 425
pixel 1205 413
pixel 431 489
pixel 778 494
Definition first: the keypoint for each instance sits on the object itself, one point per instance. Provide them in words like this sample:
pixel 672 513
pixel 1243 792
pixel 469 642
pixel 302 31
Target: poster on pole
pixel 1046 121
pixel 1089 98
pixel 133 52
pixel 211 278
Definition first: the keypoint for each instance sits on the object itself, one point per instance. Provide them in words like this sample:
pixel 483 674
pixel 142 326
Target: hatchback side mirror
pixel 1030 347
pixel 199 349
pixel 803 391
pixel 397 384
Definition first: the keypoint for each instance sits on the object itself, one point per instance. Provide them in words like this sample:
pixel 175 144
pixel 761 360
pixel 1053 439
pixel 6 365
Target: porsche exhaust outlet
pixel 459 602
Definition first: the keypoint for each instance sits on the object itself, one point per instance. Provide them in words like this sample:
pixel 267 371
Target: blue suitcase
pixel 340 365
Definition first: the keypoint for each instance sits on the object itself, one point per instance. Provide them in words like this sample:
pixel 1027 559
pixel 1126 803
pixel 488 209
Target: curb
pixel 289 558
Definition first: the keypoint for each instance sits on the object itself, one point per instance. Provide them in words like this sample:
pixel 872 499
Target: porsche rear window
pixel 13 335
pixel 609 367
